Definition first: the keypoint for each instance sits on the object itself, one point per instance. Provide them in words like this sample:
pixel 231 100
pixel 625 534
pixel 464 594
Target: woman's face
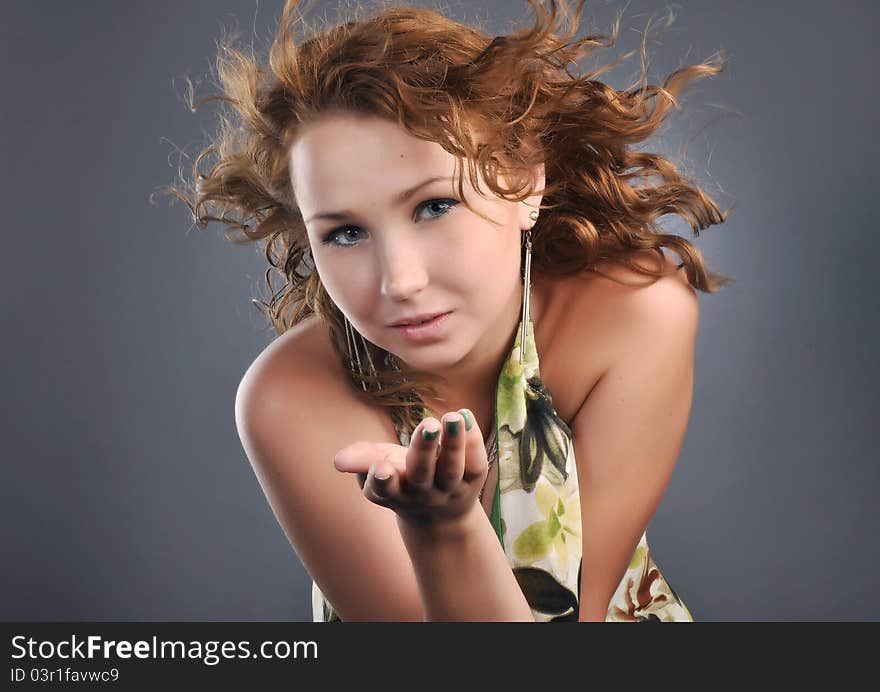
pixel 391 239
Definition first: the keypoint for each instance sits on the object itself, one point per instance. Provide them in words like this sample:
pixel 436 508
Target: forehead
pixel 341 154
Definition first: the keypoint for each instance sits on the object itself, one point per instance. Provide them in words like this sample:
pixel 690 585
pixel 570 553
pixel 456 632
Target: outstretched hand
pixel 436 479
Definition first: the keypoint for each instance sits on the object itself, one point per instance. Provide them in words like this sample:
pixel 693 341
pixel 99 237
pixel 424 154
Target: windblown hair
pixel 445 81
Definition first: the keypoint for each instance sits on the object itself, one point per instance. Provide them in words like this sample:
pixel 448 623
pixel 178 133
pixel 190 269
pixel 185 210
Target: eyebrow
pixel 400 199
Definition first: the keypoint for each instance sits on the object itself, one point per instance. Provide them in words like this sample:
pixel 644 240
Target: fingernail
pixel 430 435
pixel 382 475
pixel 468 418
pixel 453 427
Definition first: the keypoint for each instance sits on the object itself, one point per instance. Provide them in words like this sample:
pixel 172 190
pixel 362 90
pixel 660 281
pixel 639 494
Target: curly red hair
pixel 444 81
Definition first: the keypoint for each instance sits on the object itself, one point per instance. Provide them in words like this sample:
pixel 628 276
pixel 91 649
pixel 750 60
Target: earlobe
pixel 531 218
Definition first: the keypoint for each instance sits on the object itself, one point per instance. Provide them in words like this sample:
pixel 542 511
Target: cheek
pixel 496 253
pixel 344 282
pixel 489 269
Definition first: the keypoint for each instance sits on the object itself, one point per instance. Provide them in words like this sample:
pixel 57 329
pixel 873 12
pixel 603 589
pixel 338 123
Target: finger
pixel 354 458
pixel 450 461
pixel 476 465
pixel 359 456
pixel 422 454
pixel 382 483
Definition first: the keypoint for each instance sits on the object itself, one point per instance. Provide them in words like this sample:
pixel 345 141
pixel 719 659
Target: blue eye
pixel 329 239
pixel 435 207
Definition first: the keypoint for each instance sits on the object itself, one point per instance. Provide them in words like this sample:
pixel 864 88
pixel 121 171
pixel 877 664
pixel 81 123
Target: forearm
pixel 463 573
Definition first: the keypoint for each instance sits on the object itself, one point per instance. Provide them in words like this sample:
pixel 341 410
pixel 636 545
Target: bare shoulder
pixel 295 358
pixel 593 321
pixel 650 311
pixel 298 371
pixel 631 308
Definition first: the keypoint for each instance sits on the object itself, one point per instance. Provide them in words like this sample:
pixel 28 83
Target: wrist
pixel 443 530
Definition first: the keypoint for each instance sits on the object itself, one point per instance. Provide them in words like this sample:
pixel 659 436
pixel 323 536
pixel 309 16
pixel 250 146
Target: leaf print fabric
pixel 536 510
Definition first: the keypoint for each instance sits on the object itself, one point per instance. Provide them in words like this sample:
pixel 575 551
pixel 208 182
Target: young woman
pixel 476 400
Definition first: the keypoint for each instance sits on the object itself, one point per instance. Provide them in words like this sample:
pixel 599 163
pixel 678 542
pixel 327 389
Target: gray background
pixel 126 494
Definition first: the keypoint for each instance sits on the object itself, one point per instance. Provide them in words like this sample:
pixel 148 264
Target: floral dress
pixel 536 509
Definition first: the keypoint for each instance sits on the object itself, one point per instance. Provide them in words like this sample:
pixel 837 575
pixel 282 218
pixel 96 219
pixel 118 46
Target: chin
pixel 433 357
pixel 423 361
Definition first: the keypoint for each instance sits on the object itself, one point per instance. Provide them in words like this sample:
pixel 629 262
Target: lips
pixel 426 317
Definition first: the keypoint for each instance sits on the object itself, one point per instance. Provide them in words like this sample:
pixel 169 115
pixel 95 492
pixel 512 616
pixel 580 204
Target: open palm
pixel 437 478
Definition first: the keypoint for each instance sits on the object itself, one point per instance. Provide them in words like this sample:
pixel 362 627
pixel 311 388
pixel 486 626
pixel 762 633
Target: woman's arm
pixel 462 571
pixel 348 545
pixel 629 431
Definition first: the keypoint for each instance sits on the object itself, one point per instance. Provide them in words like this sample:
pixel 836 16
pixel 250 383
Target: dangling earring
pixel 352 349
pixel 527 285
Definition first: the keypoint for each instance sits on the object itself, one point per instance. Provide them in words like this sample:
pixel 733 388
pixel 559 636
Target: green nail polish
pixel 430 435
pixel 453 427
pixel 468 418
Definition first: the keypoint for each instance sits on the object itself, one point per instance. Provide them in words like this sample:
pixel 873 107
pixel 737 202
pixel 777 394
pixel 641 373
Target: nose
pixel 402 267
